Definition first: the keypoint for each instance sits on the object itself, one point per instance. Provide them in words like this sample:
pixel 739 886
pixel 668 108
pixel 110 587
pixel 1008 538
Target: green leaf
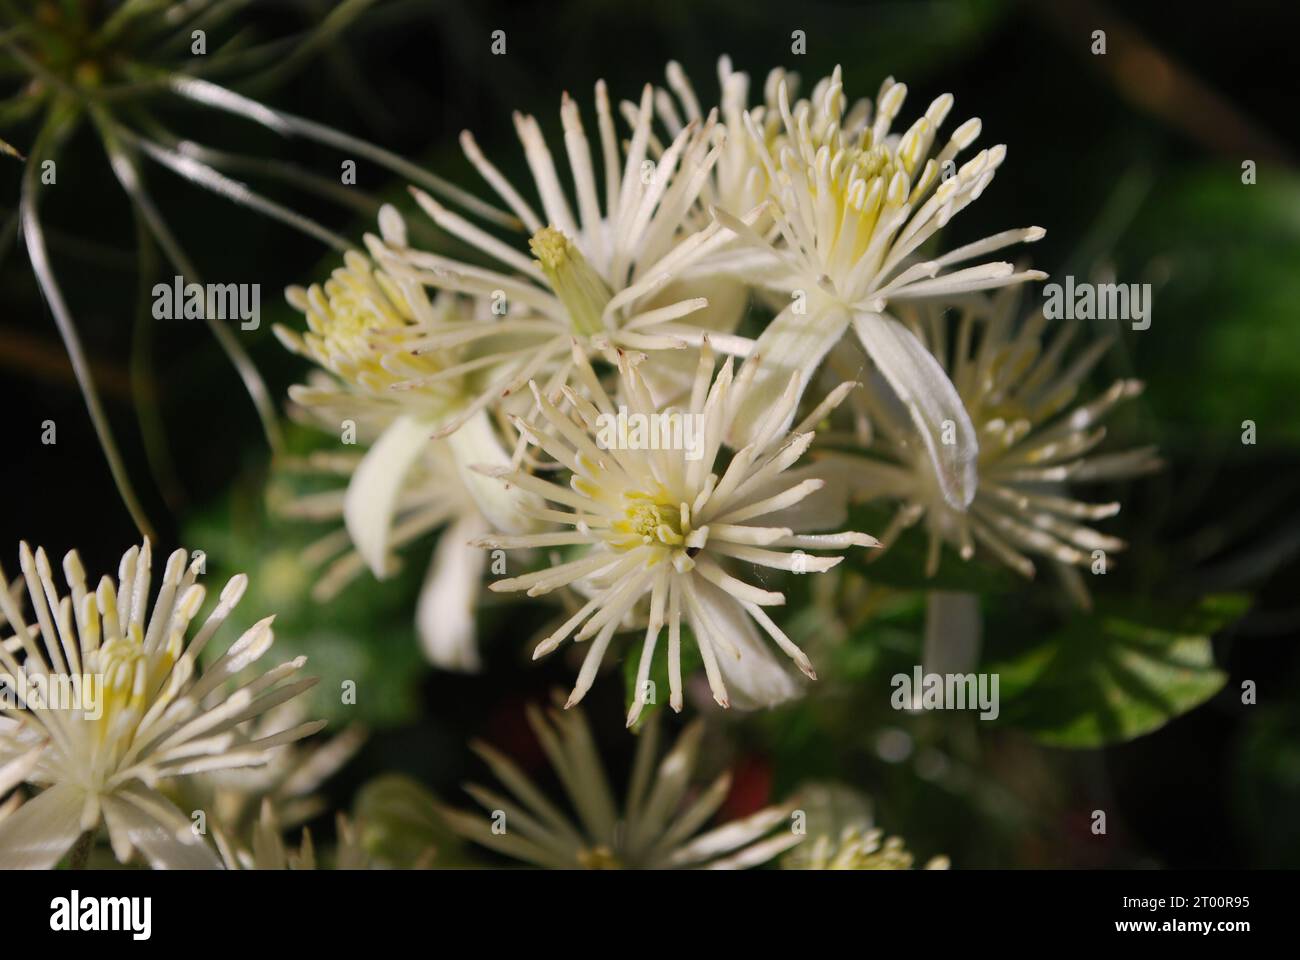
pixel 1111 676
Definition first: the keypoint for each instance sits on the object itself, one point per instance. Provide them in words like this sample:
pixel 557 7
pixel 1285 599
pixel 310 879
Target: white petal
pixel 477 444
pixel 15 771
pixel 445 614
pixel 923 387
pixel 42 830
pixel 376 484
pixel 792 343
pixel 156 841
pixel 761 677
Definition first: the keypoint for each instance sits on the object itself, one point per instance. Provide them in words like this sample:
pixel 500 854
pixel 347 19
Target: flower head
pixel 856 848
pixel 853 203
pixel 661 523
pixel 268 851
pixel 111 702
pixel 1018 386
pixel 599 276
pixel 383 381
pixel 368 329
pixel 656 827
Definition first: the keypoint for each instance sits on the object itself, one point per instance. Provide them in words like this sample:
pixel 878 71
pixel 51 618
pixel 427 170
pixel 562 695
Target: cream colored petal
pixel 445 613
pixel 477 444
pixel 794 342
pixel 376 485
pixel 42 830
pixel 930 398
pixel 761 677
pixel 130 820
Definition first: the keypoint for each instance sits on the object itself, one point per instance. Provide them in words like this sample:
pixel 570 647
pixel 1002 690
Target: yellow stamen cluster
pixel 651 518
pixel 358 323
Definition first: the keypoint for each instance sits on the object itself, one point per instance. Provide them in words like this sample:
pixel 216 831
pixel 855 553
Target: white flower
pixel 856 848
pixel 140 711
pixel 853 203
pixel 738 181
pixel 270 852
pixel 391 501
pixel 660 522
pixel 361 324
pixel 290 781
pixel 1018 389
pixel 364 328
pixel 656 828
pixel 601 276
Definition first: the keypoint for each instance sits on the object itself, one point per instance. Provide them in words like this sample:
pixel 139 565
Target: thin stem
pixel 34 235
pixel 218 97
pixel 143 385
pixel 205 176
pixel 128 175
pixel 80 855
pixel 335 22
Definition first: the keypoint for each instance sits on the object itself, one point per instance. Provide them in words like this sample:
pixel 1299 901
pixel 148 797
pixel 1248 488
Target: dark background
pixel 1131 161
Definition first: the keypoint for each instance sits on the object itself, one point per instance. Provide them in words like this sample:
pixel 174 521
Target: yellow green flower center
pixel 573 278
pixel 651 519
pixel 599 858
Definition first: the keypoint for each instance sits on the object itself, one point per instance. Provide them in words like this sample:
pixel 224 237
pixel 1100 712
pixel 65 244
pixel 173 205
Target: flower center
pixel 651 519
pixel 573 278
pixel 599 858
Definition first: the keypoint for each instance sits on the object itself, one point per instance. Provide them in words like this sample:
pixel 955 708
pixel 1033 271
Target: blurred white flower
pixel 660 522
pixel 655 829
pixel 268 851
pixel 140 712
pixel 856 848
pixel 1018 387
pixel 290 781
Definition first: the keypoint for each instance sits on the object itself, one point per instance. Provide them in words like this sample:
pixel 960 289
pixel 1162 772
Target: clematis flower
pixel 856 848
pixel 655 828
pixel 124 707
pixel 661 523
pixel 853 204
pixel 1018 384
pixel 364 328
pixel 600 276
pixel 268 851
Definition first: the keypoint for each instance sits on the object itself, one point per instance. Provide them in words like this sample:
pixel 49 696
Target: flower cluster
pixel 798 238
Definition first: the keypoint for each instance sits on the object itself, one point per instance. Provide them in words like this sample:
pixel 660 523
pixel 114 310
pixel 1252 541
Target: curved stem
pixel 35 238
pixel 127 173
pixel 143 385
pixel 218 97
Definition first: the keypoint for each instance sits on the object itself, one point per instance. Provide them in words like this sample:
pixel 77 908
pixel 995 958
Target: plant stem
pixel 81 851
